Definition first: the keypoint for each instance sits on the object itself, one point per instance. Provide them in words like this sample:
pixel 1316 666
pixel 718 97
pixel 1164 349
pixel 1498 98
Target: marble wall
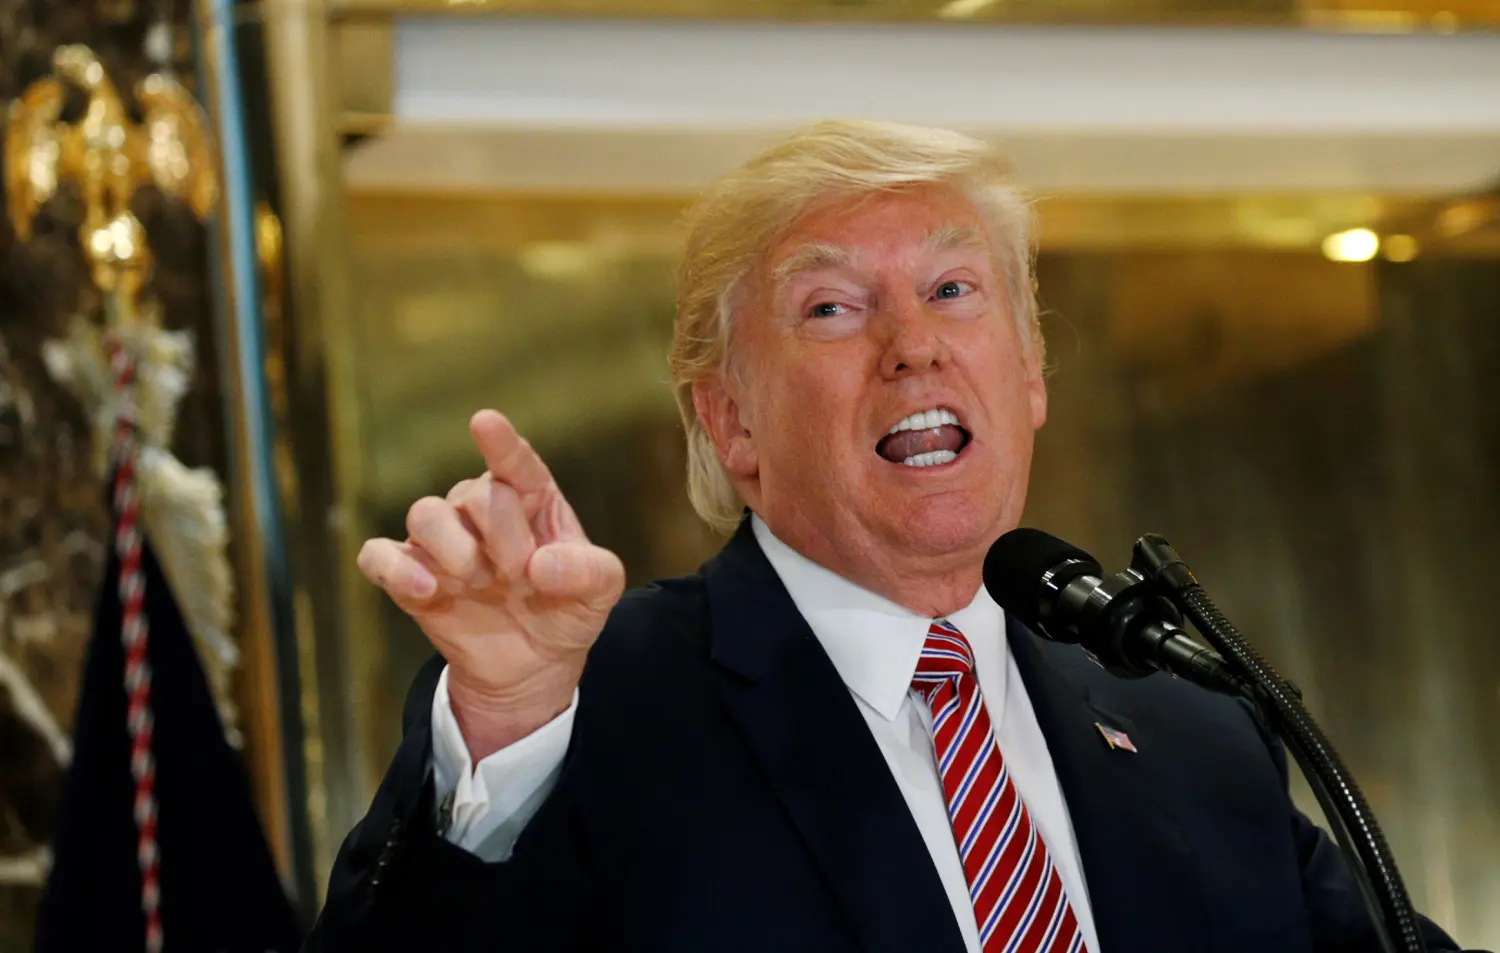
pixel 53 520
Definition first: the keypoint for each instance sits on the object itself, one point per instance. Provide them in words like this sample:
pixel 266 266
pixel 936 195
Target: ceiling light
pixel 1399 248
pixel 959 9
pixel 1356 244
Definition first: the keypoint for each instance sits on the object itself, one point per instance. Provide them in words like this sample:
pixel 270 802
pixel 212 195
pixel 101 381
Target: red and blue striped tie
pixel 1018 898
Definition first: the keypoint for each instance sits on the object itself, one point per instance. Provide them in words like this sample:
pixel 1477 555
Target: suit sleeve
pixel 399 885
pixel 1335 906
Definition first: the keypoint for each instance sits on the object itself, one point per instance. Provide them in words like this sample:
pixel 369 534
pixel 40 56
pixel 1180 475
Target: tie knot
pixel 946 654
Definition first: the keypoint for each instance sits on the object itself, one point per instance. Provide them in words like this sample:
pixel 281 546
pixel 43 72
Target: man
pixel 830 738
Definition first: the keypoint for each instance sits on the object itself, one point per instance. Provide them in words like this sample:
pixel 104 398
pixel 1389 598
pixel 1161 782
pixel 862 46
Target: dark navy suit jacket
pixel 722 793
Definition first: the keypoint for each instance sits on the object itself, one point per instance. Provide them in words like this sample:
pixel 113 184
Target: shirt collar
pixel 873 642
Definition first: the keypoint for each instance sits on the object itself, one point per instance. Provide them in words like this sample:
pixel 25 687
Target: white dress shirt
pixel 874 644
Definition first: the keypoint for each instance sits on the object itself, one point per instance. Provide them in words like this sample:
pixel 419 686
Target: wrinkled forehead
pixel 876 231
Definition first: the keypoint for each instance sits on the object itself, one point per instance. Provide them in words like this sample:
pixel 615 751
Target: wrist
pixel 493 718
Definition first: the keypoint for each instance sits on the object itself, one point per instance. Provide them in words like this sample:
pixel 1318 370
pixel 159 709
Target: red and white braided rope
pixel 133 632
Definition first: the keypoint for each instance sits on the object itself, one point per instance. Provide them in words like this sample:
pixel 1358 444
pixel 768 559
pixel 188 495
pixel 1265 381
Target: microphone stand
pixel 1359 835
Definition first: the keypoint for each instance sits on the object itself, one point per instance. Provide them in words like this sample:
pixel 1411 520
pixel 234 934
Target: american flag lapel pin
pixel 1115 738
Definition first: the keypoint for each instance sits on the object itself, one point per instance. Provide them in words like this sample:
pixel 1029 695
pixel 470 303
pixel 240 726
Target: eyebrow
pixel 817 255
pixel 953 236
pixel 812 257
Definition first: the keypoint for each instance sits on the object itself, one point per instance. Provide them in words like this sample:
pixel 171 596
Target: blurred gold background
pixel 1357 14
pixel 1274 336
pixel 1320 437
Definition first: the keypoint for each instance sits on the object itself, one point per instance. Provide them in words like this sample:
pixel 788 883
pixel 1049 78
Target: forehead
pixel 879 228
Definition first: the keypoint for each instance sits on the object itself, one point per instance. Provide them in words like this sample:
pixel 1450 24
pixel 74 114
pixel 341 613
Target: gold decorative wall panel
pixel 1321 439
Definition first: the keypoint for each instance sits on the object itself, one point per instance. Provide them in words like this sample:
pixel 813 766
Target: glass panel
pixel 1321 440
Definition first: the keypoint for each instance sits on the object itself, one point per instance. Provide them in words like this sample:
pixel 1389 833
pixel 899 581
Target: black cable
pixel 1354 823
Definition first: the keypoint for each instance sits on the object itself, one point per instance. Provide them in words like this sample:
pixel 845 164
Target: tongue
pixel 908 443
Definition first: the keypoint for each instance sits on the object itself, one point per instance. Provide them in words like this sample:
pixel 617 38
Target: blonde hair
pixel 741 215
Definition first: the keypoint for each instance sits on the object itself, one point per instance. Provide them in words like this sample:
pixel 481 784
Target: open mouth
pixel 927 438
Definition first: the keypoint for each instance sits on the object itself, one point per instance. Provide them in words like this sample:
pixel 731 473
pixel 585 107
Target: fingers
pixel 508 457
pixel 398 569
pixel 436 527
pixel 507 532
pixel 591 574
pixel 486 531
pixel 499 522
pixel 496 518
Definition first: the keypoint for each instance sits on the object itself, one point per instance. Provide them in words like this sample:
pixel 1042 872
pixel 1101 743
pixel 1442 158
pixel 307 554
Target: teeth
pixel 926 420
pixel 931 459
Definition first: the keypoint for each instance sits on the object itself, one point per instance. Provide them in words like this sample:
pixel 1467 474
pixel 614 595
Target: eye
pixel 825 309
pixel 953 289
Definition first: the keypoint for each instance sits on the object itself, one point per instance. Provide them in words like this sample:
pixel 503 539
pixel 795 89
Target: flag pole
pixel 129 372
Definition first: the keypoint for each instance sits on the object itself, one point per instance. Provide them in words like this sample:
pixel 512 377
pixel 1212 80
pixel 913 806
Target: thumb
pixel 583 571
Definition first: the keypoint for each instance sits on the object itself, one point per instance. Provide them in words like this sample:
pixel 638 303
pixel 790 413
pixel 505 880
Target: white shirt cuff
pixel 484 809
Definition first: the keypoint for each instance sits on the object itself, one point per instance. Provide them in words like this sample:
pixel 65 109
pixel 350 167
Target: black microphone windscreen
pixel 1015 565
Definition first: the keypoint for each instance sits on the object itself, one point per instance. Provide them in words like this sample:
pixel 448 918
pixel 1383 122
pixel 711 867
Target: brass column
pixel 337 634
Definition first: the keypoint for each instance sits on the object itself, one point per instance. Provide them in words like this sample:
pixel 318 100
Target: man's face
pixel 882 396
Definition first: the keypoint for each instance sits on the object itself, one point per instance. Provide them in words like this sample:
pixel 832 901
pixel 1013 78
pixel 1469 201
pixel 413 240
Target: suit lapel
pixel 1135 859
pixel 800 721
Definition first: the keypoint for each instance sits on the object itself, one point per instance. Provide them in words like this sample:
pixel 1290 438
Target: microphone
pixel 1123 621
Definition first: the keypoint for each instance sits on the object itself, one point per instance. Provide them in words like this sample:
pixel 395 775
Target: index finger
pixel 508 458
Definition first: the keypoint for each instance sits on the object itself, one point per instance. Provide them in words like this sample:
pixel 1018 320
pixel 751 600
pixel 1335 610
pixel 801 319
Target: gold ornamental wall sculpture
pixel 108 157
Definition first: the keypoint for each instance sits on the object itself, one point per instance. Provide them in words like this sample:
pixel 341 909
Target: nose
pixel 911 338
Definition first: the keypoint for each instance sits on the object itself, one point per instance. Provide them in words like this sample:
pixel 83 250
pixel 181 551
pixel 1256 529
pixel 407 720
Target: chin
pixel 948 523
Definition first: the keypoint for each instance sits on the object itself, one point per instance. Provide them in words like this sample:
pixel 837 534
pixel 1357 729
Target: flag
pixel 1115 738
pixel 217 888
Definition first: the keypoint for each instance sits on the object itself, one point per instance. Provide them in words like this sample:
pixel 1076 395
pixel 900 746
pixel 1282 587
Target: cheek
pixel 816 411
pixel 1005 366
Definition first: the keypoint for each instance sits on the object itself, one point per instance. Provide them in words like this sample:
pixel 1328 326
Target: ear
pixel 721 419
pixel 1036 387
